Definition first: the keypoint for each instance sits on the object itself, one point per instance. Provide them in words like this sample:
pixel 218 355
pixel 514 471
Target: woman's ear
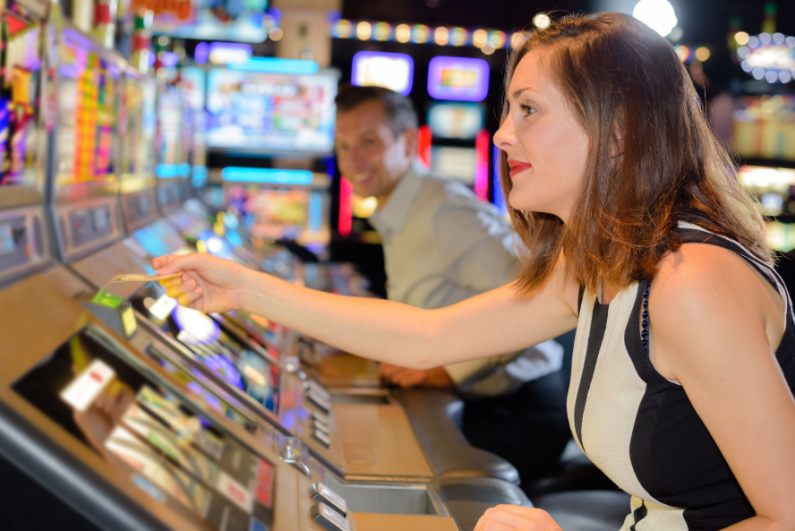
pixel 617 142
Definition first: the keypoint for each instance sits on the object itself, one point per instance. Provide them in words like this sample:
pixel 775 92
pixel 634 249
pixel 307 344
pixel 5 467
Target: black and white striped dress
pixel 640 428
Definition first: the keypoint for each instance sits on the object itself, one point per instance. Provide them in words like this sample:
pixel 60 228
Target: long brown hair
pixel 652 160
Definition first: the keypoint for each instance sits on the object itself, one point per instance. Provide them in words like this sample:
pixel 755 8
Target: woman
pixel 637 234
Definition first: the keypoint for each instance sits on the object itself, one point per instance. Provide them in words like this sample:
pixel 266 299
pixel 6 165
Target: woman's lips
pixel 518 167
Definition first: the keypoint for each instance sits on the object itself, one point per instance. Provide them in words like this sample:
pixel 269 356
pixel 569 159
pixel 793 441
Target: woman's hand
pixel 516 518
pixel 206 283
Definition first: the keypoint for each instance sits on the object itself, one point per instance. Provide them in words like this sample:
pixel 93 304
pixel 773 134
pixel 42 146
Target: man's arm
pixel 474 254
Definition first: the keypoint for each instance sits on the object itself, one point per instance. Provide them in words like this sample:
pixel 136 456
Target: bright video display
pixel 211 20
pixel 454 162
pixel 456 120
pixel 20 89
pixel 458 78
pixel 764 127
pixel 138 127
pixel 88 87
pixel 270 112
pixel 394 71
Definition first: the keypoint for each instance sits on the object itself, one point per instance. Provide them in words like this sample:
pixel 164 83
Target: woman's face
pixel 547 147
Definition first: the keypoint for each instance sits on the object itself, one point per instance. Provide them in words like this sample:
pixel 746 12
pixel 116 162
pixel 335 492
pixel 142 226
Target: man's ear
pixel 411 135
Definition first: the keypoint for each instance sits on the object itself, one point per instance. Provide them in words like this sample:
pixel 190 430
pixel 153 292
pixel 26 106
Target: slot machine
pixel 88 407
pixel 98 198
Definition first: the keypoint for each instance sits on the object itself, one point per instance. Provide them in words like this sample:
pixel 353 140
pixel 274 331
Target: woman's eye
pixel 527 110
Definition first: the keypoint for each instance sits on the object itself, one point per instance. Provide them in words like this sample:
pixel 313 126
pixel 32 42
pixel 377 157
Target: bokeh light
pixel 441 36
pixel 382 31
pixel 659 15
pixel 542 21
pixel 363 30
pixel 403 33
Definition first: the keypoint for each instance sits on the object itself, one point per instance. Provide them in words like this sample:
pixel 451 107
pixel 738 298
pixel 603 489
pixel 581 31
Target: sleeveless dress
pixel 640 428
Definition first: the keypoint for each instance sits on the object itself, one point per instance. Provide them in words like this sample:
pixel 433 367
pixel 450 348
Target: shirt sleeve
pixel 475 249
pixel 466 372
pixel 475 254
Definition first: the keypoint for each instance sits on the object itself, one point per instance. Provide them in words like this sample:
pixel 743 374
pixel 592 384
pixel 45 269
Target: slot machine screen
pixel 209 20
pixel 771 187
pixel 20 99
pixel 772 190
pixel 456 163
pixel 173 150
pixel 458 78
pixel 210 344
pixel 138 125
pixel 460 121
pixel 88 86
pixel 278 213
pixel 143 429
pixel 394 71
pixel 270 112
pixel 763 127
pixel 193 83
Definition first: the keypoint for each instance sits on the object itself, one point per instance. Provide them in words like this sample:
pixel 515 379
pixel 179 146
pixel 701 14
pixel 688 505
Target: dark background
pixel 703 21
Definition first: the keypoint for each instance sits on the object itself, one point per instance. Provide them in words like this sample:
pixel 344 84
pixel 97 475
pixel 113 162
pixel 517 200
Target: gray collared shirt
pixel 443 245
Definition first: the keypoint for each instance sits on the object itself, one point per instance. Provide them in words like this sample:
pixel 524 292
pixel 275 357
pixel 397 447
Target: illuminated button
pixel 318 401
pixel 322 437
pixel 314 387
pixel 128 321
pixel 320 417
pixel 328 518
pixel 321 425
pixel 322 494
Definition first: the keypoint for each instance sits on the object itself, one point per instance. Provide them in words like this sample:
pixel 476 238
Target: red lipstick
pixel 518 166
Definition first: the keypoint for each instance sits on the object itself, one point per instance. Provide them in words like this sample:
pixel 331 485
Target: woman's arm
pixel 715 324
pixel 492 323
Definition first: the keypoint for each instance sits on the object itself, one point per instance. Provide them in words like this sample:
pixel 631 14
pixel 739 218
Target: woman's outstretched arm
pixel 492 323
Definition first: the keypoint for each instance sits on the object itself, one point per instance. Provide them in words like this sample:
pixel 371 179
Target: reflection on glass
pixel 138 126
pixel 137 426
pixel 233 362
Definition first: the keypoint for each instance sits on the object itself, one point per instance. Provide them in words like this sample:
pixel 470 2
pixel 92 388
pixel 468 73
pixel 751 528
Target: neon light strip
pixel 267 175
pixel 315 211
pixel 482 164
pixel 276 65
pixel 499 197
pixel 168 171
pixel 424 139
pixel 345 221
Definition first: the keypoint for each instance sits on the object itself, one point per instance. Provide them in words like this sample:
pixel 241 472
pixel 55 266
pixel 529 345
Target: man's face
pixel 368 153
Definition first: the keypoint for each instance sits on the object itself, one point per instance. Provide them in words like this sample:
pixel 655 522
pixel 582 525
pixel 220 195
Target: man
pixel 443 245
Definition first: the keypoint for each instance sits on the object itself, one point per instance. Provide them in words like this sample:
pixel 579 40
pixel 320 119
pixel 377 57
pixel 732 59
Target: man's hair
pixel 399 112
pixel 652 158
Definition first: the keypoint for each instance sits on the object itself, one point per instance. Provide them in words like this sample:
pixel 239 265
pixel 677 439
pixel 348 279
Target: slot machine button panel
pixel 321 493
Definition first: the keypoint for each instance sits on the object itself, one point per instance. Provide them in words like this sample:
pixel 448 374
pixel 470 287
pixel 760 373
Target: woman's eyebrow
pixel 516 93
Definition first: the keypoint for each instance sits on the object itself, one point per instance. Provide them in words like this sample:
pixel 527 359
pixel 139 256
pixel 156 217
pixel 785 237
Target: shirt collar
pixel 392 217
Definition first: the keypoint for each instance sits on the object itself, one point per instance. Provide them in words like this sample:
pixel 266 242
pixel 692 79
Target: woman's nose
pixel 504 135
